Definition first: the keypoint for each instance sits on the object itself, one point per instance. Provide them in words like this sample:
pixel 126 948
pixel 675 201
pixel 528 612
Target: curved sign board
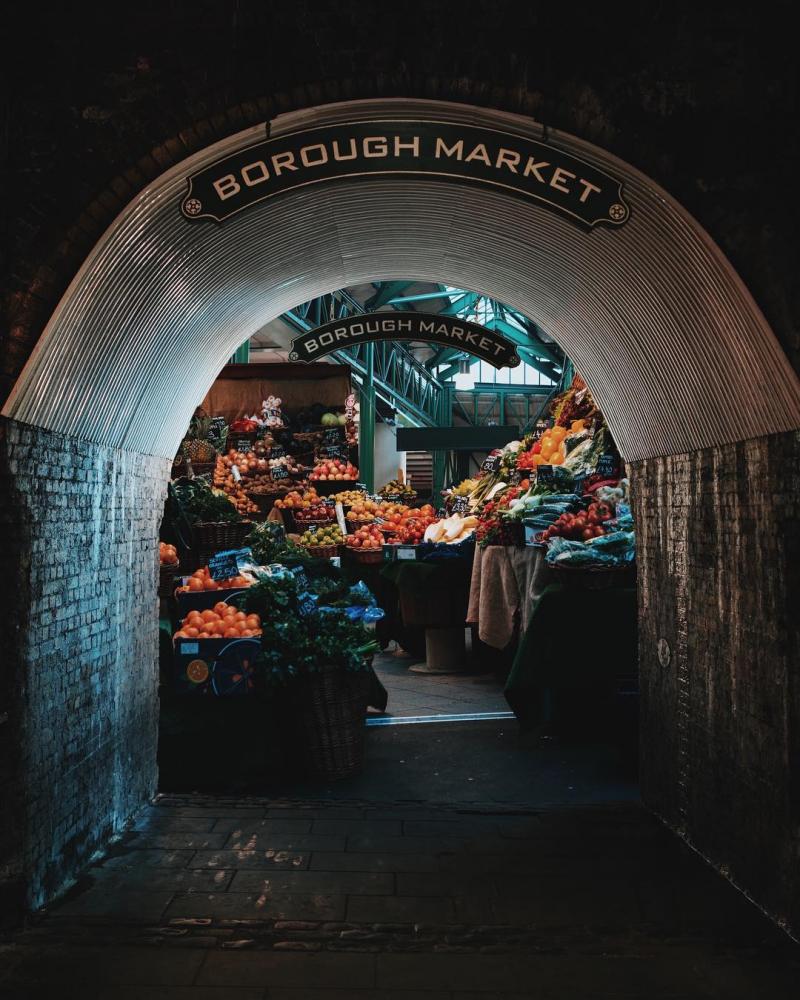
pixel 445 330
pixel 534 171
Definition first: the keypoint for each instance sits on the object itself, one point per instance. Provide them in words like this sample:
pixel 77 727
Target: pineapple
pixel 196 445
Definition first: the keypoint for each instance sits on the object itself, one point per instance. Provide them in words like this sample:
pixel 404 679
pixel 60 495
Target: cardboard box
pixel 216 667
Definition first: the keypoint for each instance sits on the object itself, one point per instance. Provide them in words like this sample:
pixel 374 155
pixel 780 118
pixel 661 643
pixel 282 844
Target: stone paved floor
pixel 223 898
pixel 426 694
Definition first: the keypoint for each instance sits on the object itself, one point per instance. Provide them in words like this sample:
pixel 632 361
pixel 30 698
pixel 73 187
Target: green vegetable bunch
pixel 295 640
pixel 202 504
pixel 269 544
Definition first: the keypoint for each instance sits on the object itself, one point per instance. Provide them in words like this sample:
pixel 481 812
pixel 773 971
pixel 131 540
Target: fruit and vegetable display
pixel 334 468
pixel 196 446
pixel 366 537
pixel 202 580
pixel 398 488
pixel 223 621
pixel 167 554
pixel 323 536
pixel 348 497
pixel 203 504
pixel 295 500
pixel 364 510
pixel 451 530
pixel 403 525
pixel 316 511
pixel 269 544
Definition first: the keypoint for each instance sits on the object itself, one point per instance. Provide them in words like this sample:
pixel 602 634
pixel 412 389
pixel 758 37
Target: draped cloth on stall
pixel 578 651
pixel 506 583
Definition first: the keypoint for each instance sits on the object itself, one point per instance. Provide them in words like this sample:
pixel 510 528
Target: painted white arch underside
pixel 672 345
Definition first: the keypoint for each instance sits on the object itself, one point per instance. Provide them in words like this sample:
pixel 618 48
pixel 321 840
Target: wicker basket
pixel 166 580
pixel 594 579
pixel 264 501
pixel 330 706
pixel 367 556
pixel 215 536
pixel 302 523
pixel 323 551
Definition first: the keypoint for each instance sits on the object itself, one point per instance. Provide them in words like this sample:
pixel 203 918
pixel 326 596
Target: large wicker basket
pixel 166 580
pixel 215 536
pixel 367 556
pixel 330 706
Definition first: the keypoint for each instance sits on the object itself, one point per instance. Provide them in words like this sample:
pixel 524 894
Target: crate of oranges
pixel 216 651
pixel 223 621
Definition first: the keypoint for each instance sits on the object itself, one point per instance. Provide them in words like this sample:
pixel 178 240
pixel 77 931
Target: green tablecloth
pixel 579 647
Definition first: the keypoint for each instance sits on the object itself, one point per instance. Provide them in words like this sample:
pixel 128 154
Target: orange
pixel 208 615
pixel 195 584
pixel 220 607
pixel 231 633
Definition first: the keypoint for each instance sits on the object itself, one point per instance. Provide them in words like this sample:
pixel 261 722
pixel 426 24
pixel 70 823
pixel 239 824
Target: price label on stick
pixel 279 472
pixel 276 452
pixel 461 505
pixel 491 464
pixel 312 528
pixel 243 444
pixel 544 474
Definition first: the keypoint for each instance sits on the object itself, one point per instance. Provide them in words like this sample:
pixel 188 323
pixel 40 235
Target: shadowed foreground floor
pixel 473 899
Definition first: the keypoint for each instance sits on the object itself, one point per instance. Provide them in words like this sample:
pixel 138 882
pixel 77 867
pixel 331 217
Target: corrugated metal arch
pixel 674 348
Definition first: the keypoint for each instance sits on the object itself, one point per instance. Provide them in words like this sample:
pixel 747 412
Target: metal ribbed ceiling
pixel 674 349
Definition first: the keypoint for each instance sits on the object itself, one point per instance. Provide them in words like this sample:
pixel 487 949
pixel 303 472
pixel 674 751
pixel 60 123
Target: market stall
pixel 277 538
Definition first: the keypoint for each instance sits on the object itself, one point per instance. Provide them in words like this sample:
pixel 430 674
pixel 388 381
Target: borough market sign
pixel 445 330
pixel 533 171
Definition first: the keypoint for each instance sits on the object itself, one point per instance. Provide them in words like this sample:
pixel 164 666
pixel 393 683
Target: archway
pixel 675 351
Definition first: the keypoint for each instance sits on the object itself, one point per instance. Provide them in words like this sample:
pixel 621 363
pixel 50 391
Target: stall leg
pixel 445 652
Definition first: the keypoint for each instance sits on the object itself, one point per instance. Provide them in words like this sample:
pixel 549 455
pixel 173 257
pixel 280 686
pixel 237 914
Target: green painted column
pixel 444 419
pixel 366 428
pixel 242 355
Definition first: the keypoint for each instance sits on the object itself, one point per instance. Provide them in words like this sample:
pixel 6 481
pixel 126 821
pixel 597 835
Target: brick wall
pixel 81 664
pixel 719 563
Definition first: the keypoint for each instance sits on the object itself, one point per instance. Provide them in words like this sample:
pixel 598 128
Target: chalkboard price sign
pixel 333 435
pixel 312 529
pixel 607 466
pixel 306 604
pixel 224 565
pixel 243 444
pixel 545 474
pixel 279 472
pixel 461 505
pixel 517 476
pixel 361 486
pixel 276 452
pixel 334 451
pixel 491 464
pixel 300 577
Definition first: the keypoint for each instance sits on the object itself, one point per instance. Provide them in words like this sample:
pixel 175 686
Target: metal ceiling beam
pixel 385 294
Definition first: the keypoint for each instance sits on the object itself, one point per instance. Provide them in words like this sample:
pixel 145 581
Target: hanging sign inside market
pixel 534 171
pixel 448 331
